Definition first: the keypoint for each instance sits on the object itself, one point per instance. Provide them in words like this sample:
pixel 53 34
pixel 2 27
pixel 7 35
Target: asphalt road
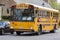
pixel 45 36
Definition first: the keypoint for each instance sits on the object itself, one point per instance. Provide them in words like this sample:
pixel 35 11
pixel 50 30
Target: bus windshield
pixel 22 15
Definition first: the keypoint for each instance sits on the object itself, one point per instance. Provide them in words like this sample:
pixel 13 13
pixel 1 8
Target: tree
pixel 54 4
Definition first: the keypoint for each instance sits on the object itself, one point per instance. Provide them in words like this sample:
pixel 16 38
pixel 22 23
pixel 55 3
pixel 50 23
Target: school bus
pixel 26 17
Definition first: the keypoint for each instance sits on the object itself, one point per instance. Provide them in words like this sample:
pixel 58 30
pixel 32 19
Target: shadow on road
pixel 44 33
pixel 30 34
pixel 5 34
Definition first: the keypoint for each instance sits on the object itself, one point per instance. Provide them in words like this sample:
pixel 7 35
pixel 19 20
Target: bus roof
pixel 43 7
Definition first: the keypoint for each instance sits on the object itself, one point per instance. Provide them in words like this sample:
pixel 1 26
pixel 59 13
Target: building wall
pixel 7 4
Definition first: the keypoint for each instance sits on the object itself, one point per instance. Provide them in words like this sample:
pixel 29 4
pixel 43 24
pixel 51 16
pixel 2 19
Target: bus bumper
pixel 22 30
pixel 25 30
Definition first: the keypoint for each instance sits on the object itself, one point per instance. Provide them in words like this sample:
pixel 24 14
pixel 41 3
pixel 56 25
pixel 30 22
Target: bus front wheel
pixel 11 31
pixel 18 33
pixel 39 30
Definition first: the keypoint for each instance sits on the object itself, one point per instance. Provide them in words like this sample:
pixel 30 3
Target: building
pixel 7 4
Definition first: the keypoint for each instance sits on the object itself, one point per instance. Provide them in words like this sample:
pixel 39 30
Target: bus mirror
pixel 7 10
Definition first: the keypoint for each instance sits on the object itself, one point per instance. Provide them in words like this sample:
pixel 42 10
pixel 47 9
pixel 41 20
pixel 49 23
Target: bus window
pixel 43 14
pixel 48 14
pixel 55 15
pixel 22 15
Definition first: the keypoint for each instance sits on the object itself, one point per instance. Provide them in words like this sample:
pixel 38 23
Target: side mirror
pixel 7 10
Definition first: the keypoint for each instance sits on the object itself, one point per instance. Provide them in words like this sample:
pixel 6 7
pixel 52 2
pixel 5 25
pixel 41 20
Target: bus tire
pixel 53 31
pixel 11 31
pixel 39 30
pixel 18 33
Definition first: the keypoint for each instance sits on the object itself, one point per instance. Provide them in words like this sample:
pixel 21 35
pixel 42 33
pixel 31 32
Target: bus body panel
pixel 23 25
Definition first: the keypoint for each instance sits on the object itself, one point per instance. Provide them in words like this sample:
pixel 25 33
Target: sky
pixel 58 1
pixel 18 1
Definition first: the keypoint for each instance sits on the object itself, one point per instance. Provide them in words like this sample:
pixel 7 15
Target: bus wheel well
pixel 54 28
pixel 40 26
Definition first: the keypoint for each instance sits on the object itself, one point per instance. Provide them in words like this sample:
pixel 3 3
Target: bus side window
pixel 43 13
pixel 48 14
pixel 55 15
pixel 39 13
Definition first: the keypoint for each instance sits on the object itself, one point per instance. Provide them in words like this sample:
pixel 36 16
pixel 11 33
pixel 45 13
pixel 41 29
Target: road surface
pixel 45 36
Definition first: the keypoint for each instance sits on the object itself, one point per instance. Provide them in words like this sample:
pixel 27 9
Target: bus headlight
pixel 11 27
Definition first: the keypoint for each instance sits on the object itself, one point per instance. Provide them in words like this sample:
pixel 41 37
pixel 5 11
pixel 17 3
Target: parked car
pixel 7 24
pixel 4 27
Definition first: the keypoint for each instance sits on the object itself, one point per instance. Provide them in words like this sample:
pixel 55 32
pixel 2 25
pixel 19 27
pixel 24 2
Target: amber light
pixel 12 22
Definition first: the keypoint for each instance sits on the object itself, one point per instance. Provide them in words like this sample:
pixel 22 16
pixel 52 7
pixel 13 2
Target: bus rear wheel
pixel 53 31
pixel 18 33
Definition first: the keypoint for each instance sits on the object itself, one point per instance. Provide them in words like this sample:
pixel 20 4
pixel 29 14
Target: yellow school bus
pixel 26 17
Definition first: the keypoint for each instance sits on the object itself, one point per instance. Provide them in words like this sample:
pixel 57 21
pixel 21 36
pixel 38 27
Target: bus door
pixel 55 19
pixel 51 22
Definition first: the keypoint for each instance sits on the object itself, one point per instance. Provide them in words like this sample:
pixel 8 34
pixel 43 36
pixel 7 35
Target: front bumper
pixel 23 30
